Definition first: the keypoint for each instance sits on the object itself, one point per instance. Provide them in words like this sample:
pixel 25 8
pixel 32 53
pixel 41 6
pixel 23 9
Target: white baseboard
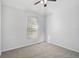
pixel 63 46
pixel 21 46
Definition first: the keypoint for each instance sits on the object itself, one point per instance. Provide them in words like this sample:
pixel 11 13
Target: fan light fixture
pixel 44 2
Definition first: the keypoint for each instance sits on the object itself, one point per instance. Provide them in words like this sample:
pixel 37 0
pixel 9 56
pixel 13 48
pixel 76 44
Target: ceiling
pixel 24 5
pixel 28 5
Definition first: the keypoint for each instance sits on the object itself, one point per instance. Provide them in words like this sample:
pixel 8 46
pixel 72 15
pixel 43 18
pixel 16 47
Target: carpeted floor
pixel 42 50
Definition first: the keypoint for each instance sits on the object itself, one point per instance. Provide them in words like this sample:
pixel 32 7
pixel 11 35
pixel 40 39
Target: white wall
pixel 63 24
pixel 0 27
pixel 15 28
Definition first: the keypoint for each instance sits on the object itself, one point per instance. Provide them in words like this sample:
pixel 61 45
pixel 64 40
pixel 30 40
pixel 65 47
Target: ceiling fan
pixel 44 2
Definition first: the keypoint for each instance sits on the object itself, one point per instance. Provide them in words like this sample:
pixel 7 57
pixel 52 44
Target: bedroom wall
pixel 63 24
pixel 0 27
pixel 15 27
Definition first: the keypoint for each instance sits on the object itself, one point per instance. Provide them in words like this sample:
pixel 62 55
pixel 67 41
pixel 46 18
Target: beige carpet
pixel 42 50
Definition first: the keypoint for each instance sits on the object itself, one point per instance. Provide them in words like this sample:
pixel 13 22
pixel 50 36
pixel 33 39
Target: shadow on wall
pixel 63 24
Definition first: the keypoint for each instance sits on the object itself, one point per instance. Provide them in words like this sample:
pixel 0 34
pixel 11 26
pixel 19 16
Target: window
pixel 32 27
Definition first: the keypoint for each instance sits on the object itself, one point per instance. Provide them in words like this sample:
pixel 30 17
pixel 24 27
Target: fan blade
pixel 51 0
pixel 37 2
